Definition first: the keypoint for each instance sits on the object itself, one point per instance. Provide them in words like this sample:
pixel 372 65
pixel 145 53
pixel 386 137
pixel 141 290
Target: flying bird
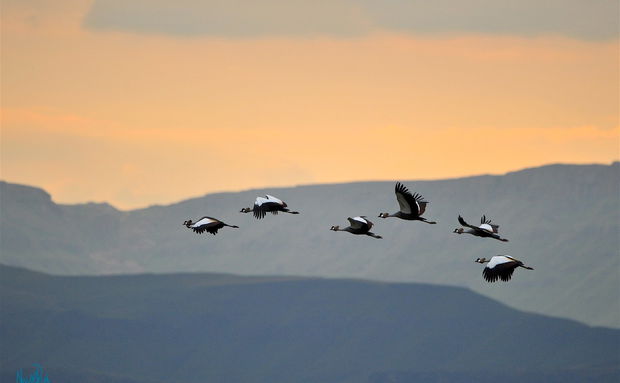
pixel 412 206
pixel 358 225
pixel 207 224
pixel 500 267
pixel 268 204
pixel 485 230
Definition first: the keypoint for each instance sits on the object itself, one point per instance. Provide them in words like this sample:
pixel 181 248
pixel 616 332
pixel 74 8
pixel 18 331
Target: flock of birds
pixel 412 206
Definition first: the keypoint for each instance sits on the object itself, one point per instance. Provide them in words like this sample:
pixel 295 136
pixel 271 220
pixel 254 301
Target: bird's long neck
pixel 286 210
pixel 526 267
pixel 374 235
pixel 233 226
pixel 388 215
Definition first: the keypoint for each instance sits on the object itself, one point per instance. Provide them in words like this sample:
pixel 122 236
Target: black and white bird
pixel 358 225
pixel 208 224
pixel 500 267
pixel 412 206
pixel 485 230
pixel 267 204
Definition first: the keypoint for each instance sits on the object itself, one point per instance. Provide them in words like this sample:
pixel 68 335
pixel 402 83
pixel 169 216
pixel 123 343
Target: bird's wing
pixel 500 260
pixel 368 223
pixel 499 267
pixel 206 224
pixel 260 200
pixel 422 205
pixel 259 210
pixel 213 228
pixel 271 198
pixel 513 259
pixel 502 271
pixel 407 202
pixel 485 224
pixel 357 222
pixel 204 221
pixel 462 222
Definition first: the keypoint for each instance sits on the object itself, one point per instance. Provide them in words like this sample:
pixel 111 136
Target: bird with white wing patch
pixel 267 204
pixel 412 206
pixel 208 224
pixel 500 267
pixel 485 230
pixel 359 225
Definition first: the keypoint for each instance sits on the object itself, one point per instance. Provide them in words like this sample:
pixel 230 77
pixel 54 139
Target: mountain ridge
pixel 560 219
pixel 301 185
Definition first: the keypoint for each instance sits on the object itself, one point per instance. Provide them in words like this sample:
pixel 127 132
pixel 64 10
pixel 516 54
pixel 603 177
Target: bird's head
pixel 459 230
pixel 245 210
pixel 335 228
pixel 187 223
pixel 482 260
pixel 383 215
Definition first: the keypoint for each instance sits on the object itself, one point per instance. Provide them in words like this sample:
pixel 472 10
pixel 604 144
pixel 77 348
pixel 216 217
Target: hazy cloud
pixel 251 18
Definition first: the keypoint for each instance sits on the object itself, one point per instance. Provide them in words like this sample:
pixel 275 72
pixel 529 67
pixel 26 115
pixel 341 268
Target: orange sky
pixel 137 119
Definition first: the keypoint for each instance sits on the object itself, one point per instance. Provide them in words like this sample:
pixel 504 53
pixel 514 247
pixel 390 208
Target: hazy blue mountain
pixel 226 328
pixel 563 220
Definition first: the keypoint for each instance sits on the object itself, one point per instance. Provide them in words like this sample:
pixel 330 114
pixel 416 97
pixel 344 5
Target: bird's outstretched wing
pixel 502 271
pixel 422 205
pixel 359 223
pixel 271 198
pixel 462 222
pixel 213 229
pixel 207 224
pixel 500 267
pixel 368 223
pixel 259 210
pixel 485 224
pixel 266 204
pixel 408 202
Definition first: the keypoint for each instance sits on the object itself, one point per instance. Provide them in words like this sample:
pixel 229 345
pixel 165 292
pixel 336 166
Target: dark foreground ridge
pixel 227 328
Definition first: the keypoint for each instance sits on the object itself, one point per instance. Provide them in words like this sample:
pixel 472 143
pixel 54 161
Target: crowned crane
pixel 485 230
pixel 412 206
pixel 359 225
pixel 208 224
pixel 500 267
pixel 267 204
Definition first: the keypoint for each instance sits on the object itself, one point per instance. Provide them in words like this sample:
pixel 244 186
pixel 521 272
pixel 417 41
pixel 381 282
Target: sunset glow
pixel 137 119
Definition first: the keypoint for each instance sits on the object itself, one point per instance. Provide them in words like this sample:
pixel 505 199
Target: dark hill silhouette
pixel 226 328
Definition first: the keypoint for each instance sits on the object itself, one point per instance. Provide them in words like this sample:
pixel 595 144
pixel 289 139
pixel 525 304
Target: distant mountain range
pixel 199 328
pixel 561 219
